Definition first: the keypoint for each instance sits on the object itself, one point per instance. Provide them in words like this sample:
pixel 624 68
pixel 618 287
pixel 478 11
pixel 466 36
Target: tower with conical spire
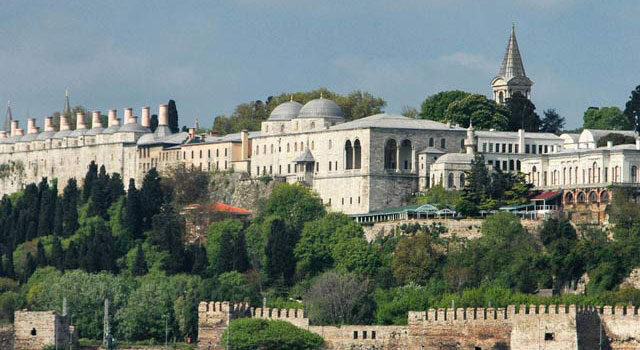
pixel 67 105
pixel 7 119
pixel 511 78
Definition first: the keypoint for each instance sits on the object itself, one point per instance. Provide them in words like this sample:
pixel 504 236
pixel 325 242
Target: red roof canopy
pixel 545 196
pixel 220 208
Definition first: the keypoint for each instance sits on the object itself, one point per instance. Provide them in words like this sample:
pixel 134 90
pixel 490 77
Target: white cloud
pixel 469 60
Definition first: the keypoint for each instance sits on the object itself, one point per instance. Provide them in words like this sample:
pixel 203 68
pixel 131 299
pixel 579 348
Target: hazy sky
pixel 211 56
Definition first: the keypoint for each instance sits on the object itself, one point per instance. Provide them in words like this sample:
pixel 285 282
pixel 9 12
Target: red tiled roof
pixel 220 207
pixel 545 196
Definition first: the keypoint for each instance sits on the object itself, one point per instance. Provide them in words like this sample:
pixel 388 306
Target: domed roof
pixel 94 131
pixel 45 135
pixel 321 107
pixel 134 127
pixel 457 158
pixel 285 111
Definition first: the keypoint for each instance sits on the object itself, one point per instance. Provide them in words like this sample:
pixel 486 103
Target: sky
pixel 210 56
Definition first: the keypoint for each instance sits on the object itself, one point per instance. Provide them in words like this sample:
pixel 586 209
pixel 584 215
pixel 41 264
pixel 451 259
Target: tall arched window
pixel 443 143
pixel 390 153
pixel 581 197
pixel 405 155
pixel 500 97
pixel 431 142
pixel 533 174
pixel 450 180
pixel 593 197
pixel 462 180
pixel 568 199
pixel 282 128
pixel 357 155
pixel 348 155
pixel 594 169
pixel 634 173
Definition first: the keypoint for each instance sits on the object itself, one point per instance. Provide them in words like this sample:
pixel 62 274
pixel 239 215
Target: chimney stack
pixel 163 115
pixel 19 132
pixel 48 124
pixel 637 143
pixel 31 126
pixel 14 126
pixel 64 123
pixel 3 134
pixel 128 113
pixel 192 133
pixel 95 120
pixel 244 136
pixel 113 117
pixel 609 144
pixel 80 121
pixel 146 120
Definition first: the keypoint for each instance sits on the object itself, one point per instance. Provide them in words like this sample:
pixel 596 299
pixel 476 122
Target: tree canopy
pixel 435 106
pixel 606 118
pixel 485 113
pixel 552 122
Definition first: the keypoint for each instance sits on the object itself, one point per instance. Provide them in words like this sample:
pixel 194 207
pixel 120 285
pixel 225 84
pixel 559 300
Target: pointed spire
pixel 67 105
pixel 196 124
pixel 7 119
pixel 512 62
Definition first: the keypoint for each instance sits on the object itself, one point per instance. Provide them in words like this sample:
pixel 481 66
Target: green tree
pixel 485 113
pixel 41 257
pixel 187 184
pixel 560 239
pixel 338 298
pixel 250 334
pixel 356 255
pixel 417 258
pixel 435 106
pixel 153 122
pixel 632 108
pixel 523 113
pixel 133 211
pixel 46 213
pixel 280 263
pixel 616 139
pixel 172 113
pixel 57 254
pixel 140 265
pixel 152 196
pixel 226 247
pixel 607 118
pixel 89 178
pixel 552 122
pixel 234 286
pixel 295 205
pixel 167 232
pixel 70 207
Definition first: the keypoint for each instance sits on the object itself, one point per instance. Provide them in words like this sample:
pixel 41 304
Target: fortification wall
pixel 363 337
pixel 6 337
pixel 37 329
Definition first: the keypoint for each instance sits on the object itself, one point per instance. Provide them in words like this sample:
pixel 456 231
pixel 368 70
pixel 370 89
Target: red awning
pixel 545 196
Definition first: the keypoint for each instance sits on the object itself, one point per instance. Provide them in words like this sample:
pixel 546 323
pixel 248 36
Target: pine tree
pixel 89 178
pixel 70 207
pixel 57 255
pixel 140 264
pixel 41 257
pixel 173 116
pixel 133 214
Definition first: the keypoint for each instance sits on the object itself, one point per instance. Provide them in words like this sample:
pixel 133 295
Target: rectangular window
pixel 270 167
pixel 546 149
pixel 504 165
pixel 257 170
pixel 539 148
pixel 364 334
pixel 504 148
pixel 373 334
pixel 329 166
pixel 355 334
pixel 491 147
pixel 533 149
pixel 548 336
pixel 526 148
pixel 510 148
pixel 516 148
pixel 288 168
pixel 490 162
pixel 484 147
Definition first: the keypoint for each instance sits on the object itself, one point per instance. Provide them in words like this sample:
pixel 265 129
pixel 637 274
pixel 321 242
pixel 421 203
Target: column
pixel 397 158
pixel 414 168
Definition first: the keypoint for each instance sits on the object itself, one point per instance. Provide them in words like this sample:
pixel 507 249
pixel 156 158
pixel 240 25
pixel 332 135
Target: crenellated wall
pixel 562 327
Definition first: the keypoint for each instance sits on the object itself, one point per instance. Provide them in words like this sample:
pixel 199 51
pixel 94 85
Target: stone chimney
pixel 163 115
pixel 19 132
pixel 64 123
pixel 48 124
pixel 113 117
pixel 128 113
pixel 3 134
pixel 192 133
pixel 246 149
pixel 637 143
pixel 146 119
pixel 95 120
pixel 31 126
pixel 133 120
pixel 520 141
pixel 14 126
pixel 609 144
pixel 80 124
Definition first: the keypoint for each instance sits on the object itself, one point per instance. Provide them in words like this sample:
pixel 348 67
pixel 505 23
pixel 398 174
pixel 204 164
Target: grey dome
pixel 45 135
pixel 62 133
pixel 321 108
pixel 455 158
pixel 285 111
pixel 28 137
pixel 111 130
pixel 78 132
pixel 94 131
pixel 134 127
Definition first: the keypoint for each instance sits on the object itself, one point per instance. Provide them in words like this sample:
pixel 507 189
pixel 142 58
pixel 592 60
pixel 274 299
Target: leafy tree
pixel 173 116
pixel 435 106
pixel 295 205
pixel 523 113
pixel 632 108
pixel 437 195
pixel 356 255
pixel 338 298
pixel 607 118
pixel 485 113
pixel 552 122
pixel 417 258
pixel 617 139
pixel 226 247
pixel 249 334
pixel 409 112
pixel 140 264
pixel 234 286
pixel 187 184
pixel 560 239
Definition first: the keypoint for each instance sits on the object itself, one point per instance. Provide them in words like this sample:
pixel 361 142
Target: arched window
pixel 348 155
pixel 462 180
pixel 431 142
pixel 518 165
pixel 604 196
pixel 295 147
pixel 271 148
pixel 390 153
pixel 634 173
pixel 500 97
pixel 405 155
pixel 594 169
pixel 357 155
pixel 593 197
pixel 462 143
pixel 282 128
pixel 264 149
pixel 443 143
pixel 313 125
pixel 533 174
pixel 568 199
pixel 581 197
pixel 450 180
pixel 511 165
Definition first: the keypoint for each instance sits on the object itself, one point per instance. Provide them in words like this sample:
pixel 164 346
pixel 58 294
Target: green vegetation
pixel 250 334
pixel 607 118
pixel 616 139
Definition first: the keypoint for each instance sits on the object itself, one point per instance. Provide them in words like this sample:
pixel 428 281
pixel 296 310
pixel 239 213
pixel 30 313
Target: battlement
pixel 218 310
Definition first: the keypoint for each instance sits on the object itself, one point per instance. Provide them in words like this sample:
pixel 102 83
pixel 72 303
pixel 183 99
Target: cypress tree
pixel 32 230
pixel 172 112
pixel 41 257
pixel 100 197
pixel 29 267
pixel 140 264
pixel 151 197
pixel 70 207
pixel 280 264
pixel 116 187
pixel 90 177
pixel 47 209
pixel 9 269
pixel 153 122
pixel 71 257
pixel 133 211
pixel 57 255
pixel 58 221
pixel 200 261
